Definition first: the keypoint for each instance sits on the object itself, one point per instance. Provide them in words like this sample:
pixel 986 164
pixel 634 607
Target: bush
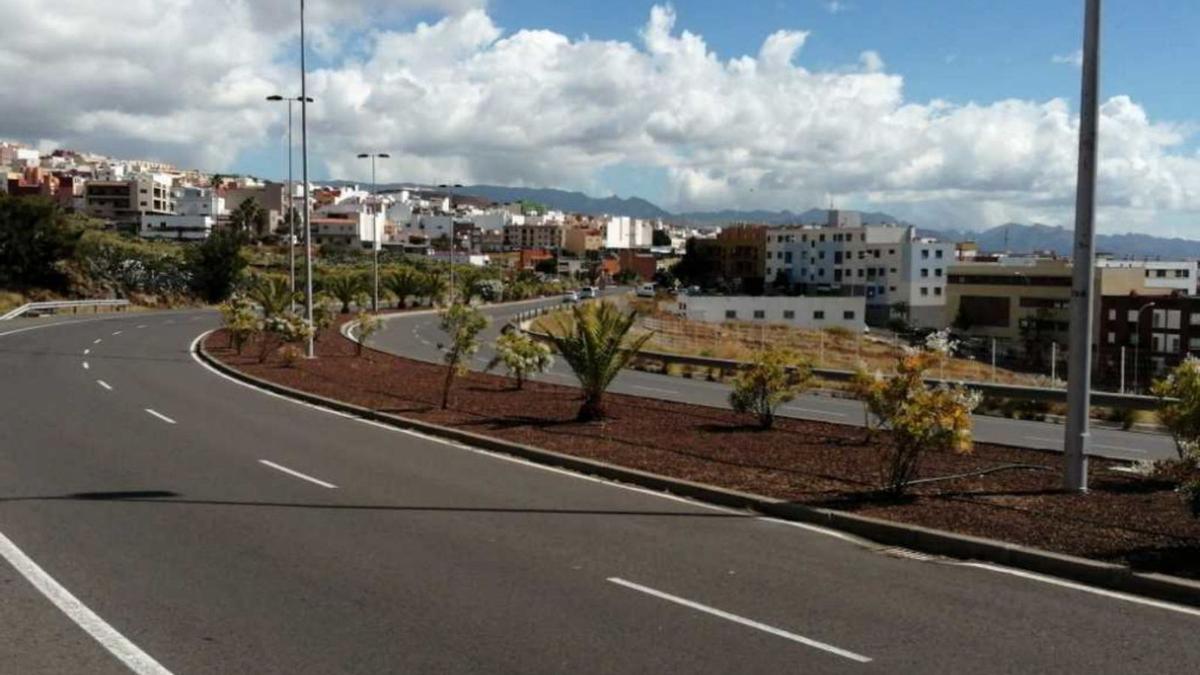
pixel 112 264
pixel 463 324
pixel 35 237
pixel 768 383
pixel 368 324
pixel 921 418
pixel 240 321
pixel 1179 405
pixel 215 265
pixel 522 356
pixel 285 328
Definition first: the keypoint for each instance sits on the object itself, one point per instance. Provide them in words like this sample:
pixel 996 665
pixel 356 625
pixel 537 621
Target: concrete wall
pixel 800 312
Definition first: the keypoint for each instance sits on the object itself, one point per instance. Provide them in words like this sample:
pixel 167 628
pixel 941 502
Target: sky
pixel 949 113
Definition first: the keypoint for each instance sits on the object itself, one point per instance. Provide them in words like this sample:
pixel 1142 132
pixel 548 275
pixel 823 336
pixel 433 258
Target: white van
pixel 645 291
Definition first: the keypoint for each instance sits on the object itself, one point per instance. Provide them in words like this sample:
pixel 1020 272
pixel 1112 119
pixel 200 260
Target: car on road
pixel 588 293
pixel 646 291
pixel 570 297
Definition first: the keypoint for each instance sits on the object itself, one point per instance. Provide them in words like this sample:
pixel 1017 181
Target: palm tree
pixel 249 216
pixel 346 287
pixel 404 283
pixel 594 345
pixel 272 293
pixel 434 288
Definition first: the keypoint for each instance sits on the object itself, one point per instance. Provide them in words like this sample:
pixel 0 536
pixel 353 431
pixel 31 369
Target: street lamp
pixel 1079 392
pixel 291 193
pixel 308 262
pixel 1137 342
pixel 453 238
pixel 375 226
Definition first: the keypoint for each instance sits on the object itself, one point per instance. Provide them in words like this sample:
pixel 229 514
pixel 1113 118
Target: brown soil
pixel 1124 518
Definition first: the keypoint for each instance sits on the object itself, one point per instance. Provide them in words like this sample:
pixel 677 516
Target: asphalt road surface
pixel 157 517
pixel 417 335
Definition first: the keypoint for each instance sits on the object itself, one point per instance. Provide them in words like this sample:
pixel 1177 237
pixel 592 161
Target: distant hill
pixel 809 217
pixel 1017 238
pixel 569 202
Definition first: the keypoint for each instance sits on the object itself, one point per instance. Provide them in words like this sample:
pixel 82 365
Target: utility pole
pixel 291 199
pixel 1080 356
pixel 1122 369
pixel 308 252
pixel 375 227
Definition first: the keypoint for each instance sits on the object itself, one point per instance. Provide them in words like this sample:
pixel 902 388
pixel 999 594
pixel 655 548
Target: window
pixel 731 314
pixel 924 273
pixel 787 257
pixel 1133 315
pixel 1173 343
pixel 924 291
pixel 937 272
pixel 892 289
pixel 1194 344
pixel 819 315
pixel 938 254
pixel 937 290
pixel 893 270
pixel 822 238
pixel 860 273
pixel 1173 319
pixel 891 251
pixel 760 314
pixel 848 315
pixel 1195 319
pixel 789 314
pixel 1112 338
pixel 924 254
pixel 821 255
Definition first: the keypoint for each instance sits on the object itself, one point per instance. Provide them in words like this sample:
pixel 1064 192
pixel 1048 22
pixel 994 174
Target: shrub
pixel 769 382
pixel 462 323
pixel 290 355
pixel 272 294
pixel 1179 405
pixel 284 328
pixel 215 265
pixel 522 356
pixel 921 418
pixel 368 324
pixel 35 235
pixel 240 321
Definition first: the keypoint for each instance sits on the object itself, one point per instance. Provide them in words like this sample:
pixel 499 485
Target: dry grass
pixel 10 300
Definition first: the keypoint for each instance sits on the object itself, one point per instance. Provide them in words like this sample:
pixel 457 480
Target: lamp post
pixel 374 227
pixel 1137 342
pixel 308 262
pixel 1079 369
pixel 453 238
pixel 291 200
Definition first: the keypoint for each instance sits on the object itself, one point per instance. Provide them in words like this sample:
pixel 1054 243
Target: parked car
pixel 570 297
pixel 646 291
pixel 588 293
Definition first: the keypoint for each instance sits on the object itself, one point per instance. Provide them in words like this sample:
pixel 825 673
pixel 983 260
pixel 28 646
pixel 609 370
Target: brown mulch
pixel 1124 518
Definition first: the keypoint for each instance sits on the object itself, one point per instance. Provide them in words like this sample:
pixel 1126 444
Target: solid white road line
pixel 160 416
pixel 297 474
pixel 97 341
pixel 1191 611
pixel 813 411
pixel 742 620
pixel 653 389
pixel 118 645
pixel 104 385
pixel 86 366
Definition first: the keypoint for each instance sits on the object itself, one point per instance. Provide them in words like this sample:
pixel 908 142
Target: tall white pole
pixel 993 359
pixel 308 261
pixel 1080 357
pixel 375 243
pixel 1122 369
pixel 1053 363
pixel 291 204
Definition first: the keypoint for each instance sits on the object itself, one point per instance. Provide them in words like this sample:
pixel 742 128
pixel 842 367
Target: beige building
pixel 124 202
pixel 1022 301
pixel 533 236
pixel 580 241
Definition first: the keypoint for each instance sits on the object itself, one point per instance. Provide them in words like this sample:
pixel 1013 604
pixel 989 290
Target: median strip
pixel 757 625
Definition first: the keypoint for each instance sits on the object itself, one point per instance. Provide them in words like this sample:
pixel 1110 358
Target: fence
pixel 60 305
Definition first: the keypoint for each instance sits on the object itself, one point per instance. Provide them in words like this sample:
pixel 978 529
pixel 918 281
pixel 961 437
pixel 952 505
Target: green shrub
pixel 770 381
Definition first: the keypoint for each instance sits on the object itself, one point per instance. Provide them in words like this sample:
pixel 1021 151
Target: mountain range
pixel 1012 237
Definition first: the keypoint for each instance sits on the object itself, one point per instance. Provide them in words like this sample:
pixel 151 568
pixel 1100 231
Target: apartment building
pixel 1175 275
pixel 779 261
pixel 546 236
pixel 735 258
pixel 889 265
pixel 1150 334
pixel 625 232
pixel 1024 303
pixel 124 202
pixel 583 241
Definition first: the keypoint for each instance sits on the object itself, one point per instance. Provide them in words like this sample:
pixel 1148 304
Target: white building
pixel 886 264
pixel 175 226
pixel 625 232
pixel 1176 275
pixel 798 311
pixel 779 257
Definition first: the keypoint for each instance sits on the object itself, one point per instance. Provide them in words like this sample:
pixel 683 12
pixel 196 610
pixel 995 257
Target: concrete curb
pixel 926 540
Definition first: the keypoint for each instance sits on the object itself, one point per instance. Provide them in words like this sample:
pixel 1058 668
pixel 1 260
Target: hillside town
pixel 839 273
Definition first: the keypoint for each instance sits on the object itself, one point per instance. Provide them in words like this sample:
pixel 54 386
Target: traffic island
pixel 1126 527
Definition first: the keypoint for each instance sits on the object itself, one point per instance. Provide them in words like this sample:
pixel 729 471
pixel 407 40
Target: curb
pixel 926 540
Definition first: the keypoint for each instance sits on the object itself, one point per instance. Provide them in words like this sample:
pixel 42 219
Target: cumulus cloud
pixel 462 100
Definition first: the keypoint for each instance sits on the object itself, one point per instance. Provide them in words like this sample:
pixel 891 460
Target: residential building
pixel 1149 334
pixel 337 231
pixel 625 232
pixel 548 236
pixel 644 265
pixel 175 226
pixel 528 258
pixel 583 242
pixel 735 258
pixel 845 312
pixel 1024 303
pixel 889 265
pixel 1176 275
pixel 779 254
pixel 124 202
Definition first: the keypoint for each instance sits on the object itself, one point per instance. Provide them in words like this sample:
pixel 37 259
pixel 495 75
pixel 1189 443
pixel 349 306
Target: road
pixel 417 335
pixel 157 517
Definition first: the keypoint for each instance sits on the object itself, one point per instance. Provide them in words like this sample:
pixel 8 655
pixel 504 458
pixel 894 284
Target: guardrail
pixel 58 305
pixel 1099 398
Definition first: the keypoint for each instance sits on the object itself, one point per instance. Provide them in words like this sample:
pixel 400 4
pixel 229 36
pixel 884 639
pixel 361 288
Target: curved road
pixel 417 335
pixel 158 517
